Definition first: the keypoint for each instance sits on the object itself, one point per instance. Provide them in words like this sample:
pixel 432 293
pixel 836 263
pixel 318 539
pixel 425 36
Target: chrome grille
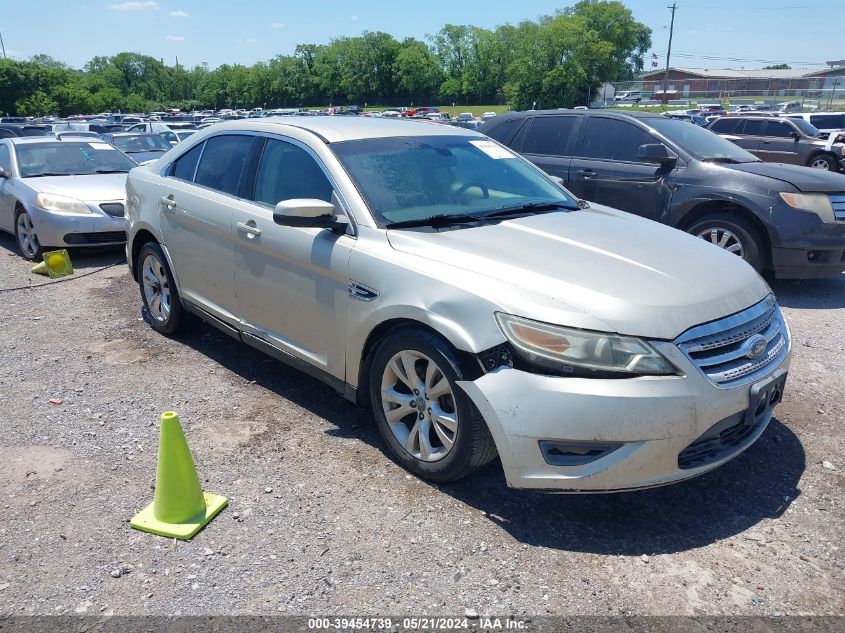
pixel 838 202
pixel 721 349
pixel 114 209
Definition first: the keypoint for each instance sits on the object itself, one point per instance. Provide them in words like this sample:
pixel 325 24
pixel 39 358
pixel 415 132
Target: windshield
pixel 700 142
pixel 136 143
pixel 413 178
pixel 807 128
pixel 70 158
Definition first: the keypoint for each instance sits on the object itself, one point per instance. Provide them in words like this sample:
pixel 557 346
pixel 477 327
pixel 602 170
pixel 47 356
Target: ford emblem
pixel 756 346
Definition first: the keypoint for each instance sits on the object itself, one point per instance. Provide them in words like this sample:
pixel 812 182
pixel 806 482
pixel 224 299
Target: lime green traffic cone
pixel 180 508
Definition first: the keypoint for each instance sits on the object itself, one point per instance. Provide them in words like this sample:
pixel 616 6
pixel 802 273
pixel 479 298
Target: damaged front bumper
pixel 594 435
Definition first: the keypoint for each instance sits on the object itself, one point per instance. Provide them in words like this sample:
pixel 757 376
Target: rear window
pixel 828 121
pixel 725 126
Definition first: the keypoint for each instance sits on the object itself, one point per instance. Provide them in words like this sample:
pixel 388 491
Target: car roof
pixel 27 140
pixel 335 129
pixel 561 111
pixel 131 134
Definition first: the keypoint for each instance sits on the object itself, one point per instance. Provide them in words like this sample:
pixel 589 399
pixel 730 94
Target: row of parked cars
pixel 485 297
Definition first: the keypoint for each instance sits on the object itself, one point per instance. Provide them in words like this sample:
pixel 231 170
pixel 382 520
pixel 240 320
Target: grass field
pixel 477 110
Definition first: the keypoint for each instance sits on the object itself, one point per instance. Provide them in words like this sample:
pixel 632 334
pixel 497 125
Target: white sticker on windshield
pixel 492 149
pixel 100 146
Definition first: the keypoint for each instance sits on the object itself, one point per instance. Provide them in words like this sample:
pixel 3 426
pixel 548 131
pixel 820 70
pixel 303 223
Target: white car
pixel 635 97
pixel 477 307
pixel 487 115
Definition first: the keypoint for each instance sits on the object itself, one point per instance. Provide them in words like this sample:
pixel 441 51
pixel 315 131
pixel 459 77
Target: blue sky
pixel 708 33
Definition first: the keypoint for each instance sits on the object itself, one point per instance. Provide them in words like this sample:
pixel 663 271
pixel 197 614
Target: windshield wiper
pixel 723 159
pixel 442 219
pixel 112 171
pixel 48 173
pixel 530 207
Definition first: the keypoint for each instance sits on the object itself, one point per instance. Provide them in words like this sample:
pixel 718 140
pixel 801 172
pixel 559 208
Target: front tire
pixel 163 306
pixel 734 234
pixel 429 424
pixel 28 243
pixel 823 161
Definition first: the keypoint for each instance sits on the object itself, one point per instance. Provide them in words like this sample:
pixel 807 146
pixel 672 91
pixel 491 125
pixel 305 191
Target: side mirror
pixel 309 212
pixel 656 153
pixel 795 135
pixel 4 174
pixel 556 179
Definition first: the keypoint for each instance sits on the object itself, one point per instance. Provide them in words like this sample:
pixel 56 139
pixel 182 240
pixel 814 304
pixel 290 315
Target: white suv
pixel 636 97
pixel 477 307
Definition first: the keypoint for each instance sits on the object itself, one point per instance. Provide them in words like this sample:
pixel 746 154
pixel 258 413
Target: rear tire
pixel 441 436
pixel 823 161
pixel 162 303
pixel 735 234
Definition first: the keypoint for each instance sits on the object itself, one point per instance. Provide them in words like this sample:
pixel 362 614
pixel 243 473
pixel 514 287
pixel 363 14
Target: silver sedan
pixel 56 193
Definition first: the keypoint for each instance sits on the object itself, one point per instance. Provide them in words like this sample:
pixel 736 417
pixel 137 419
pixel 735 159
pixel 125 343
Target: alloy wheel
pixel 156 288
pixel 723 238
pixel 419 405
pixel 820 163
pixel 27 237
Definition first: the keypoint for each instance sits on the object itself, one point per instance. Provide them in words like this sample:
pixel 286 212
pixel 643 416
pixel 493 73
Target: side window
pixel 753 127
pixel 725 126
pixel 287 171
pixel 5 159
pixel 137 128
pixel 501 131
pixel 223 162
pixel 185 166
pixel 548 135
pixel 609 139
pixel 6 133
pixel 778 128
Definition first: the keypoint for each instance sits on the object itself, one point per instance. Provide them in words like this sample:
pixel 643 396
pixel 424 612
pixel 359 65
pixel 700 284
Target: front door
pixel 291 282
pixel 605 169
pixel 779 143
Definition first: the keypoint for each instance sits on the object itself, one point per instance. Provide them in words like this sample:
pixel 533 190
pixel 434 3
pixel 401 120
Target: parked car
pixel 781 140
pixel 711 109
pixel 788 107
pixel 359 250
pixel 139 146
pixel 174 137
pixel 156 127
pixel 466 116
pixel 826 122
pixel 781 218
pixel 487 115
pixel 8 130
pixel 97 127
pixel 59 193
pixel 627 95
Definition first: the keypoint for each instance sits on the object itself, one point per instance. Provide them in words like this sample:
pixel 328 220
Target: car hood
pixel 140 157
pixel 96 187
pixel 596 269
pixel 802 178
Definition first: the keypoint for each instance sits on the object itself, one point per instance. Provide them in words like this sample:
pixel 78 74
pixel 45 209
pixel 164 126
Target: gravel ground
pixel 320 521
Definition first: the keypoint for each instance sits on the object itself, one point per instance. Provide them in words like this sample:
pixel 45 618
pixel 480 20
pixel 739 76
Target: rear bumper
pixel 652 424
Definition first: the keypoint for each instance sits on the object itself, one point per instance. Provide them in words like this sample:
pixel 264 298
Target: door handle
pixel 249 229
pixel 586 173
pixel 168 201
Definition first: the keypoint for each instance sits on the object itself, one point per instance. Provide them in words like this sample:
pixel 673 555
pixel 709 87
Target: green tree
pixel 36 104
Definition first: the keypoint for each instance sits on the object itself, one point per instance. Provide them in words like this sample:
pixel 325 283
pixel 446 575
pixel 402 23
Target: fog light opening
pixel 574 453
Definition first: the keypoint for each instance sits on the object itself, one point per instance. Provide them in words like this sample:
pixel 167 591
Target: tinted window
pixel 223 161
pixel 701 143
pixel 548 135
pixel 753 127
pixel 610 139
pixel 5 159
pixel 778 128
pixel 286 172
pixel 6 133
pixel 807 128
pixel 828 121
pixel 185 166
pixel 501 130
pixel 725 126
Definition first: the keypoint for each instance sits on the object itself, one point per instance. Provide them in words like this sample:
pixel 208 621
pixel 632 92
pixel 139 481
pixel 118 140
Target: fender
pixel 679 210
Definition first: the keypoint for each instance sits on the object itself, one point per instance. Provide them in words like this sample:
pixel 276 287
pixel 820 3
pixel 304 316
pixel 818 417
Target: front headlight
pixel 568 350
pixel 818 203
pixel 60 204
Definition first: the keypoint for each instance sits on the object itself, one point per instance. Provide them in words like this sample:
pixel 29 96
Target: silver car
pixel 473 304
pixel 57 193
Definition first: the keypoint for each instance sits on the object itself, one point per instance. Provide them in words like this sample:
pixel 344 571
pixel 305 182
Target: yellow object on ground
pixel 180 508
pixel 55 264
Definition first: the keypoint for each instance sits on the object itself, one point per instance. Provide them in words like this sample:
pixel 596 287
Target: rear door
pixel 547 141
pixel 605 168
pixel 747 135
pixel 195 210
pixel 778 143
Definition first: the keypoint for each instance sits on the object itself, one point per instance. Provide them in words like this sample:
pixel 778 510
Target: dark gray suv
pixel 785 219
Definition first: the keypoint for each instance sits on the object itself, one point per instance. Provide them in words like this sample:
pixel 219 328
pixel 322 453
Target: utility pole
pixel 3 46
pixel 668 53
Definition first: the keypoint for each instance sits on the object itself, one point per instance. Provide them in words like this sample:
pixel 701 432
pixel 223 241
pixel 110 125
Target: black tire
pixel 473 445
pixel 818 160
pixel 177 317
pixel 30 253
pixel 749 236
